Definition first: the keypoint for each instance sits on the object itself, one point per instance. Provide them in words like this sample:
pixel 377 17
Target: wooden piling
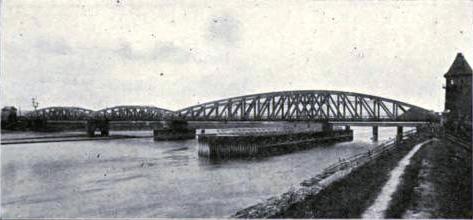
pixel 262 142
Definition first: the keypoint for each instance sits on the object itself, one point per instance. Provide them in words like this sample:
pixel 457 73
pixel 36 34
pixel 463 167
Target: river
pixel 142 178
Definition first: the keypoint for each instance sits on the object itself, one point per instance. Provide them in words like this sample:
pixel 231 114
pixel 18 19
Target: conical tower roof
pixel 459 67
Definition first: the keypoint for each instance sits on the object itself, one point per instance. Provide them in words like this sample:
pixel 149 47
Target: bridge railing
pixel 361 158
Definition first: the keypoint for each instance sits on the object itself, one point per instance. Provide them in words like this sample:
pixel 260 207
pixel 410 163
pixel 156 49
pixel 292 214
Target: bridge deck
pixel 380 123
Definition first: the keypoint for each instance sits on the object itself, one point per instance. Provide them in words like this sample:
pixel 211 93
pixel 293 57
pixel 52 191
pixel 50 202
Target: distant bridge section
pixel 60 113
pixel 132 113
pixel 58 118
pixel 129 117
pixel 306 105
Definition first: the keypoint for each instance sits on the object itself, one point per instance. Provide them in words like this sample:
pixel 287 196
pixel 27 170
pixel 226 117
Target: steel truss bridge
pixel 303 105
pixel 306 105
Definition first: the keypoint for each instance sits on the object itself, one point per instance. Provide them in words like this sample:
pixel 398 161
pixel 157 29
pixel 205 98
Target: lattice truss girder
pixel 132 113
pixel 299 106
pixel 60 114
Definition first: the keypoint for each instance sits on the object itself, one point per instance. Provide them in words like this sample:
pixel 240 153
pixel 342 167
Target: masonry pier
pixel 399 134
pixel 252 142
pixel 174 130
pixel 101 125
pixel 375 133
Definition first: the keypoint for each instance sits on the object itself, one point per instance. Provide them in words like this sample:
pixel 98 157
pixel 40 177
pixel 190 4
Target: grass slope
pixel 352 195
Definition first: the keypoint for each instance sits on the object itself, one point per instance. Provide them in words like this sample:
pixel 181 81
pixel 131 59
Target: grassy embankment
pixel 438 182
pixel 352 195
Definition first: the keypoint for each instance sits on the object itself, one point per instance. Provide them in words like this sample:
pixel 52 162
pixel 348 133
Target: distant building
pixel 458 92
pixel 9 115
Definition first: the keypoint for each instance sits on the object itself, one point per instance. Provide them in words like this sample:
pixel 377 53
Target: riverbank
pixel 352 195
pixel 60 137
pixel 34 137
pixel 437 183
pixel 346 193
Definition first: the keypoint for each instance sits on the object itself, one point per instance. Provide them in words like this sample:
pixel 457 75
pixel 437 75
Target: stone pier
pixel 375 133
pixel 101 125
pixel 174 130
pixel 399 134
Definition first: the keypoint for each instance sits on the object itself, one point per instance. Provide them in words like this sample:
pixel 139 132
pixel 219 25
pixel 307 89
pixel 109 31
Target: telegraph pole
pixel 35 103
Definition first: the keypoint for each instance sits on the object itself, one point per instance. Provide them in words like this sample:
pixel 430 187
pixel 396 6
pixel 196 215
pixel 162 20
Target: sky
pixel 173 54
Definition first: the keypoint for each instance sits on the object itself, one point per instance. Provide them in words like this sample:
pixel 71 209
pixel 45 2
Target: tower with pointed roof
pixel 458 90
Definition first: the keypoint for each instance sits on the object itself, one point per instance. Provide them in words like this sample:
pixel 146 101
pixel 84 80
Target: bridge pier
pixel 327 127
pixel 38 125
pixel 399 134
pixel 174 130
pixel 375 133
pixel 102 126
pixel 91 129
pixel 104 132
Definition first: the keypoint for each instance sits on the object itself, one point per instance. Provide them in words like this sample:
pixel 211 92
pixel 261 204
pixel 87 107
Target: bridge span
pixel 306 105
pixel 130 117
pixel 324 106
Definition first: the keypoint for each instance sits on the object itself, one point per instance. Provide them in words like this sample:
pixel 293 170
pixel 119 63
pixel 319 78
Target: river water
pixel 143 178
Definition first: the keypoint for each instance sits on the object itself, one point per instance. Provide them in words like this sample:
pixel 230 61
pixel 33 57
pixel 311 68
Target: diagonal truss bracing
pixel 317 105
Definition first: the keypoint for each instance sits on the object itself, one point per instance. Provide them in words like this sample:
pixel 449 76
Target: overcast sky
pixel 173 54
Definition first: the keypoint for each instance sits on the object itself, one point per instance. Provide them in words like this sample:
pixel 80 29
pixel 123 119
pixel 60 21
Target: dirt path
pixel 378 208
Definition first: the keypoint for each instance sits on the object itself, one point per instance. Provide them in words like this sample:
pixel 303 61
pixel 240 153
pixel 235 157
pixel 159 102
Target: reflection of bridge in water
pixel 332 107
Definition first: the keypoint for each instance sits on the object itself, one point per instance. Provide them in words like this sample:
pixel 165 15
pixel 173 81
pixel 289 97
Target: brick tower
pixel 458 92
